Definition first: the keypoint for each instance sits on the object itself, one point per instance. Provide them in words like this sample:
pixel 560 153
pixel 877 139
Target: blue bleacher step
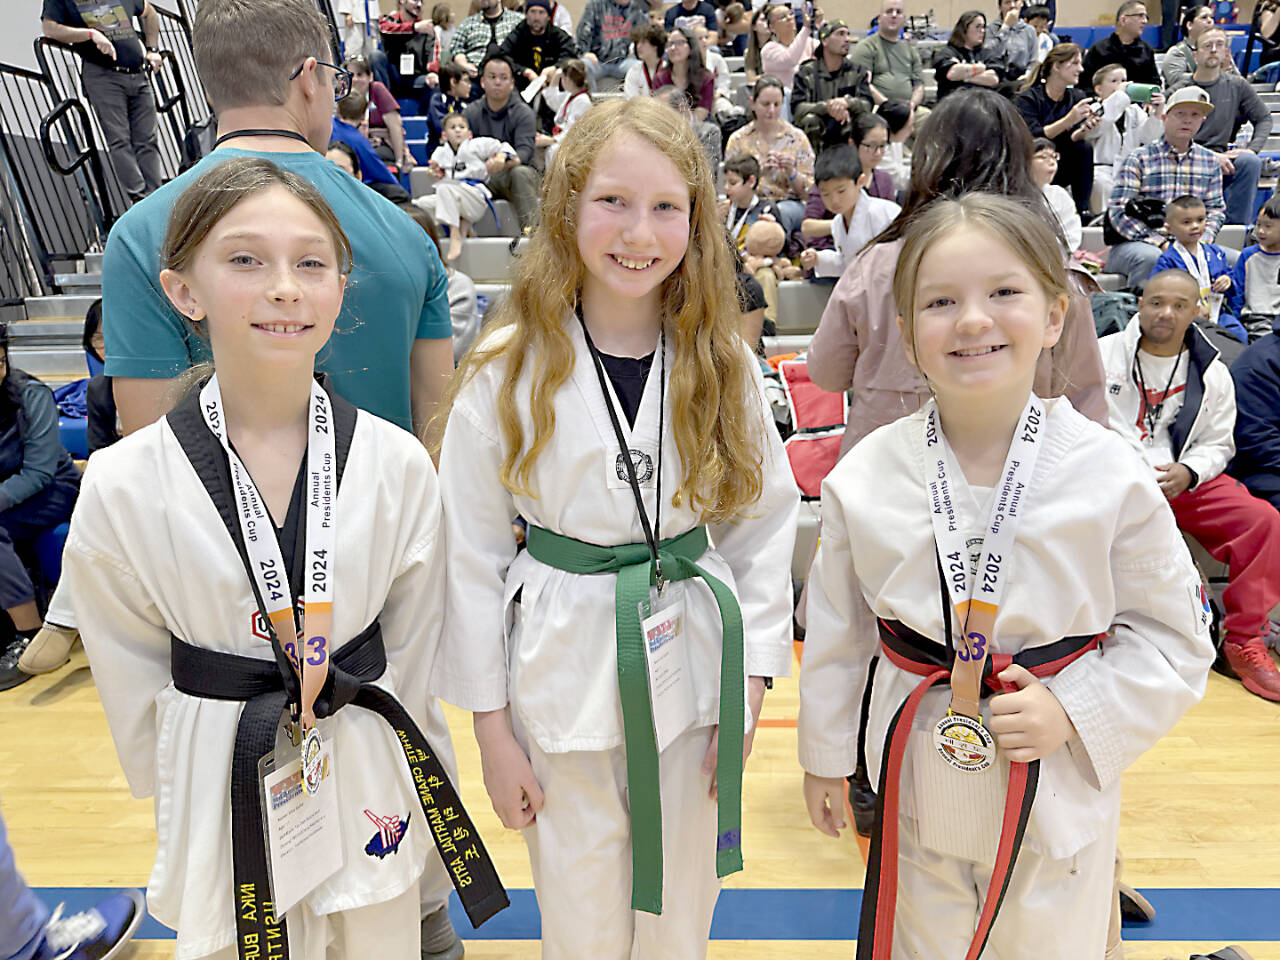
pixel 409 107
pixel 415 128
pixel 418 147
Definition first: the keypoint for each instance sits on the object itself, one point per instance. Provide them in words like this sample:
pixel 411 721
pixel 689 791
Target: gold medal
pixel 964 743
pixel 313 762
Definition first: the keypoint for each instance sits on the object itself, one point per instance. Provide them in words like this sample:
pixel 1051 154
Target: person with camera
pixel 1054 108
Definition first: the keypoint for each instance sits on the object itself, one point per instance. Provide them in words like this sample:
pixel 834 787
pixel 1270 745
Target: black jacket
pixel 1138 59
pixel 532 51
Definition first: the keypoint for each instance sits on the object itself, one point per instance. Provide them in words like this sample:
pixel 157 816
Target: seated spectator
pixel 1054 108
pixel 735 28
pixel 38 487
pixel 897 158
pixel 722 106
pixel 783 152
pixel 1126 46
pixel 871 137
pixel 102 428
pixel 568 97
pixel 1234 101
pixel 536 43
pixel 1179 60
pixel 760 34
pixel 960 63
pixel 1044 167
pixel 1012 45
pixel 458 166
pixel 604 37
pixel 859 218
pixel 1257 379
pixel 386 127
pixel 1255 279
pixel 687 13
pixel 894 63
pixel 1184 221
pixel 650 41
pixel 408 40
pixel 1269 28
pixel 1041 18
pixel 742 206
pixel 451 97
pixel 481 35
pixel 1122 127
pixel 1157 366
pixel 464 308
pixel 344 156
pixel 446 24
pixel 1156 173
pixel 347 128
pixel 506 118
pixel 830 89
pixel 787 47
pixel 683 69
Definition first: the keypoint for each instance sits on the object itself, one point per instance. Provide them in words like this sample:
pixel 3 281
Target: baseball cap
pixel 1190 96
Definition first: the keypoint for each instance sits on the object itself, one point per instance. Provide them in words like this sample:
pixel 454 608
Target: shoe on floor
pixel 1226 953
pixel 100 933
pixel 439 941
pixel 1253 664
pixel 1134 907
pixel 11 675
pixel 49 649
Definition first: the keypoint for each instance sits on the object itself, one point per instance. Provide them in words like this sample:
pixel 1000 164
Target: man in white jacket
pixel 1174 400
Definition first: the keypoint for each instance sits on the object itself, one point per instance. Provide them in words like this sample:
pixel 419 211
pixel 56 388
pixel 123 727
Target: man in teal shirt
pixel 263 67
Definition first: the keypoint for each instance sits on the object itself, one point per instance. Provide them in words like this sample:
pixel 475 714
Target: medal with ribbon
pixel 960 737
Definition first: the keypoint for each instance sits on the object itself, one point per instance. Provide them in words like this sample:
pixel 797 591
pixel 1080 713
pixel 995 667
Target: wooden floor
pixel 1201 810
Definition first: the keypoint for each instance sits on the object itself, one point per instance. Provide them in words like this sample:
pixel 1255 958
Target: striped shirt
pixel 1155 170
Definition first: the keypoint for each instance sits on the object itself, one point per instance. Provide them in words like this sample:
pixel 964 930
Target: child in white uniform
pixel 459 167
pixel 1100 640
pixel 569 98
pixel 157 565
pixel 622 322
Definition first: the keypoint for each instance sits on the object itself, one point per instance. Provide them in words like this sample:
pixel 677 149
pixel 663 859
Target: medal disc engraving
pixel 964 743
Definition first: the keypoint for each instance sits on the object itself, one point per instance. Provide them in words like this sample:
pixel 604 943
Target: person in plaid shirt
pixel 481 34
pixel 1168 168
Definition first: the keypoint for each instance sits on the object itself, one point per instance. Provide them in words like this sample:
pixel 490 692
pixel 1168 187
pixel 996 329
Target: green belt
pixel 634 566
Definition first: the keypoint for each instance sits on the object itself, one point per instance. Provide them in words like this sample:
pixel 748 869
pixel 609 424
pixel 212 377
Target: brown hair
pixel 245 50
pixel 1062 53
pixel 1019 226
pixel 1101 74
pixel 353 107
pixel 716 414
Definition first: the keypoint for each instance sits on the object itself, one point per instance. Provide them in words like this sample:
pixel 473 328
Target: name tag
pixel 666 651
pixel 406 64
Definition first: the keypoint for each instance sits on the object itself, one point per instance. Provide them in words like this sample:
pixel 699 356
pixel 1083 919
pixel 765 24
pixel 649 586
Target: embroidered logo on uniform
pixel 1200 599
pixel 1114 388
pixel 641 461
pixel 391 831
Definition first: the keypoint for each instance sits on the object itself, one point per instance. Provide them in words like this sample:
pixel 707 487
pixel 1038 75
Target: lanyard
pixel 1198 266
pixel 260 132
pixel 1151 412
pixel 650 532
pixel 734 227
pixel 976 599
pixel 270 579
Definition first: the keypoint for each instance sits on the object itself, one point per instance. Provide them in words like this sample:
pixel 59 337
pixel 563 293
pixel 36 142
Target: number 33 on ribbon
pixel 317 645
pixel 979 647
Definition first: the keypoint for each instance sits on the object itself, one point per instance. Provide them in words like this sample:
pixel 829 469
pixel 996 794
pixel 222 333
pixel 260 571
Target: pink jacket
pixel 857 345
pixel 782 61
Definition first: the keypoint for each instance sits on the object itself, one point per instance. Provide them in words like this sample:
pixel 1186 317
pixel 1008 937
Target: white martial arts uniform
pixel 1097 550
pixel 522 633
pixel 870 216
pixel 1111 144
pixel 568 108
pixel 454 198
pixel 148 555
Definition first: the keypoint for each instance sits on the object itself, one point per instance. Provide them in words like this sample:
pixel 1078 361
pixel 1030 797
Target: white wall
pixel 22 26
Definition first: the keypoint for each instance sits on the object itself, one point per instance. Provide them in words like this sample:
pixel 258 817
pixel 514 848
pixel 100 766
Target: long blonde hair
pixel 716 415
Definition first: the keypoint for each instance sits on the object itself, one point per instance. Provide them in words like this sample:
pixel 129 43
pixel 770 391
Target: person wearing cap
pixel 830 89
pixel 1234 101
pixel 1166 168
pixel 115 64
pixel 536 44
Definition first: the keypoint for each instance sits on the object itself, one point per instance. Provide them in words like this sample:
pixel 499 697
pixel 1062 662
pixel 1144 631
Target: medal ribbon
pixel 976 599
pixel 1198 266
pixel 270 579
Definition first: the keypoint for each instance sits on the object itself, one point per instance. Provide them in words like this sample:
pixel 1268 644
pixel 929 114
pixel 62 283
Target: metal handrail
pixel 46 142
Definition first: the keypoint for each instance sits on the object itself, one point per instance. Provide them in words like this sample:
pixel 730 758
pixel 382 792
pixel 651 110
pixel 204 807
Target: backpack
pixel 1112 311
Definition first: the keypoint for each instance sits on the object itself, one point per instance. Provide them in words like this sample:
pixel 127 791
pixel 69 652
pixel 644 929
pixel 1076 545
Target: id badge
pixel 303 830
pixel 406 64
pixel 666 651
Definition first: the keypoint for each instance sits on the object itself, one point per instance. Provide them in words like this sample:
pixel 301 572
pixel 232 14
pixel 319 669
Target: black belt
pixel 213 675
pixel 117 68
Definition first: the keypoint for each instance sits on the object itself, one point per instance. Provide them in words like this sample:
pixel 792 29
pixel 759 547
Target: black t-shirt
pixel 1138 59
pixel 704 10
pixel 1038 109
pixel 750 293
pixel 112 18
pixel 628 376
pixel 949 57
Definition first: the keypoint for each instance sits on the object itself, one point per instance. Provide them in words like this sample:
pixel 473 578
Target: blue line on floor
pixel 1205 914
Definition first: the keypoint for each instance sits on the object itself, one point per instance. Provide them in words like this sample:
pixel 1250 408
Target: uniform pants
pixel 387 931
pixel 580 851
pixel 126 108
pixel 521 186
pixel 1243 532
pixel 22 915
pixel 454 201
pixel 1053 910
pixel 26 521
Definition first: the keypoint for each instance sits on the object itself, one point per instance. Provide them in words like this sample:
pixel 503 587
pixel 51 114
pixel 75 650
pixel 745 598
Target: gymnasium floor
pixel 1201 831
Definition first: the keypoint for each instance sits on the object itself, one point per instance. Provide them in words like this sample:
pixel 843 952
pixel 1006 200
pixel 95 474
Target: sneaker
pixel 1253 664
pixel 1226 953
pixel 10 674
pixel 49 649
pixel 439 941
pixel 99 933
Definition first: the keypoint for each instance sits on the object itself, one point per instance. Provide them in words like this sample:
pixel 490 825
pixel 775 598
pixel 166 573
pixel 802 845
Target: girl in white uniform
pixel 1087 616
pixel 631 273
pixel 157 563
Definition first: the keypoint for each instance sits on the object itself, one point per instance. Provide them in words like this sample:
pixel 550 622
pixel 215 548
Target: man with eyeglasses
pixel 1126 47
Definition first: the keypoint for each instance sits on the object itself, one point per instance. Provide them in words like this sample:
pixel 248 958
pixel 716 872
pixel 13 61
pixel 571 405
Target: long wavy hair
pixel 751 59
pixel 695 68
pixel 958 39
pixel 716 415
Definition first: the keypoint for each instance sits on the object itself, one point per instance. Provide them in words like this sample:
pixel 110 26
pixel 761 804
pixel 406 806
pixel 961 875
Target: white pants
pixel 1053 910
pixel 356 42
pixel 580 851
pixel 388 931
pixel 453 202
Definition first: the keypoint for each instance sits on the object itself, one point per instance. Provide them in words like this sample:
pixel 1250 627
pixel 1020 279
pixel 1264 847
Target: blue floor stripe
pixel 1225 914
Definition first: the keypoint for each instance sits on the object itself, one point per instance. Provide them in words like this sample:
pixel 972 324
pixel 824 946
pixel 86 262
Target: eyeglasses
pixel 341 78
pixel 875 147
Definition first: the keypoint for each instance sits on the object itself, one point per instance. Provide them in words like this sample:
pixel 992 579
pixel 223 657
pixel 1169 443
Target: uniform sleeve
pixel 124 634
pixel 1235 296
pixel 1214 442
pixel 433 321
pixel 830 264
pixel 758 549
pixel 833 351
pixel 478 512
pixel 1168 260
pixel 1153 665
pixel 41 447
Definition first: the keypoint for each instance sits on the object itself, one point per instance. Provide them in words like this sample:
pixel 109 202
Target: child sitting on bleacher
pixel 1255 281
pixel 1044 167
pixel 741 206
pixel 1123 127
pixel 568 96
pixel 1184 221
pixel 450 97
pixel 859 217
pixel 458 164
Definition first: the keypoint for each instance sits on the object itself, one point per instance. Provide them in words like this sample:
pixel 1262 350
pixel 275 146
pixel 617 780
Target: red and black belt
pixel 918 655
